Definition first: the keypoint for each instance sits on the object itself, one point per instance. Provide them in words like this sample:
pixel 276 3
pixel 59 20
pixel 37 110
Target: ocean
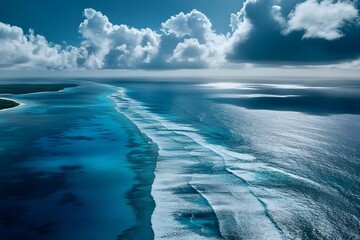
pixel 182 159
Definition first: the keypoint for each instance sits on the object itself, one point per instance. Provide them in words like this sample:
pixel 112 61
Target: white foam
pixel 182 149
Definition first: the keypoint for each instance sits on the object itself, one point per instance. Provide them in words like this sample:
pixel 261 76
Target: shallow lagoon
pixel 64 174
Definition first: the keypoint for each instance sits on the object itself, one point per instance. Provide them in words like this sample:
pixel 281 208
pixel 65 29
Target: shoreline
pixel 25 89
pixel 18 104
pixel 20 88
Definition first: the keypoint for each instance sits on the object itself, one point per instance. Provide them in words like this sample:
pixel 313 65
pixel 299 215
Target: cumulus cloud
pixel 317 19
pixel 186 40
pixel 107 45
pixel 104 45
pixel 31 51
pixel 200 45
pixel 192 54
pixel 193 24
pixel 262 31
pixel 193 44
pixel 240 24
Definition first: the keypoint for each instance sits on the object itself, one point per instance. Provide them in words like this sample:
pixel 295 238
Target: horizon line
pixel 253 72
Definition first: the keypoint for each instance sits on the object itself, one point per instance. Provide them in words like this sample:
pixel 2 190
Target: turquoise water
pixel 143 159
pixel 64 172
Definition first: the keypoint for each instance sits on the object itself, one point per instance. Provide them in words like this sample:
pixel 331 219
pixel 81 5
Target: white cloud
pixel 318 19
pixel 193 24
pixel 185 40
pixel 276 13
pixel 241 28
pixel 240 24
pixel 107 45
pixel 31 51
pixel 200 45
pixel 192 54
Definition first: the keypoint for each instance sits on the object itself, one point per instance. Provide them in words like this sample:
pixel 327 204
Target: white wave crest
pixel 187 159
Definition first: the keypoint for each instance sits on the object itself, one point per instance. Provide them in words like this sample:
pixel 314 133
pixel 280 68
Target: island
pixel 25 89
pixel 5 103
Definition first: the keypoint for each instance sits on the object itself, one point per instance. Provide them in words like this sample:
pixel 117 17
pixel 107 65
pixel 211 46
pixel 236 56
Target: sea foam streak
pixel 193 179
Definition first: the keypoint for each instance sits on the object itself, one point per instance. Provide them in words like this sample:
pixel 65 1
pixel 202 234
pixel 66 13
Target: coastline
pixel 18 89
pixel 33 88
pixel 9 104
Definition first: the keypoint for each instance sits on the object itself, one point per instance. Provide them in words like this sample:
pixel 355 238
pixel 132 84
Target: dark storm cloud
pixel 267 42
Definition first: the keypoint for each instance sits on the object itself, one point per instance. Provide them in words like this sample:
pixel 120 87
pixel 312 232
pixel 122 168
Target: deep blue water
pixel 183 160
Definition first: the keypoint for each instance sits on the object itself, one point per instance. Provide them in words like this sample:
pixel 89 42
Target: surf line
pixel 186 158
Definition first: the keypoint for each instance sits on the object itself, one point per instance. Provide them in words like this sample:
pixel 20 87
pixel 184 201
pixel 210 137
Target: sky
pixel 179 34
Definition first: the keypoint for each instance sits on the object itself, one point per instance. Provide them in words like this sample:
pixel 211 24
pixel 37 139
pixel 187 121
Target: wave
pixel 187 159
